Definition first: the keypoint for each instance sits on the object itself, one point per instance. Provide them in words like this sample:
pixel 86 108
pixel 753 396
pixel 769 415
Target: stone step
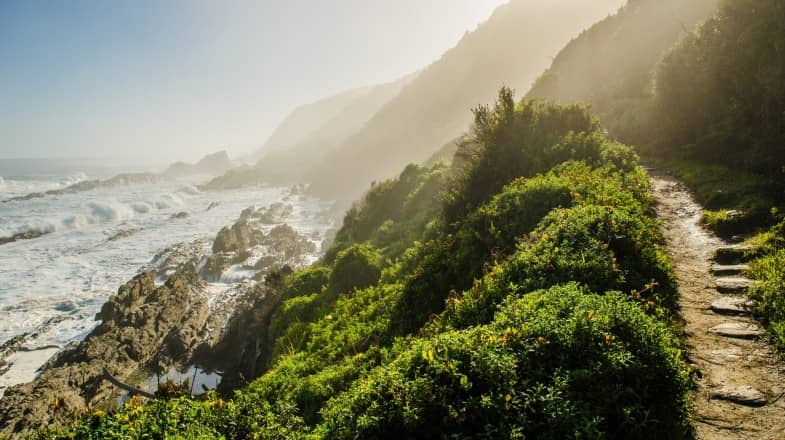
pixel 733 284
pixel 724 270
pixel 730 305
pixel 733 254
pixel 738 330
pixel 740 394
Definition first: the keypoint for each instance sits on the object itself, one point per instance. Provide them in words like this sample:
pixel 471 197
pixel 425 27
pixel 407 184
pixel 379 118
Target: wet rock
pixel 240 236
pixel 738 330
pixel 124 179
pixel 142 326
pixel 732 306
pixel 741 394
pixel 215 265
pixel 169 260
pixel 213 205
pixel 180 215
pixel 28 235
pixel 123 234
pixel 238 244
pixel 731 285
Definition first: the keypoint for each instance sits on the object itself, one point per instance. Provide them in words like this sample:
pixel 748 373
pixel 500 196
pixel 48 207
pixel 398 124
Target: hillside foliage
pixel 530 299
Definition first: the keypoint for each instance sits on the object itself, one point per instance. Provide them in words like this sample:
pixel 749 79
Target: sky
pixel 163 80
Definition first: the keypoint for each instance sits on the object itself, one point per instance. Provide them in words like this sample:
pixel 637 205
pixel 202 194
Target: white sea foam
pixel 73 179
pixel 69 273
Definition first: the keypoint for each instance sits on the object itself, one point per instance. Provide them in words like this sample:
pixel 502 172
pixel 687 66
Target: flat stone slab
pixel 741 394
pixel 728 270
pixel 733 284
pixel 729 305
pixel 731 254
pixel 738 330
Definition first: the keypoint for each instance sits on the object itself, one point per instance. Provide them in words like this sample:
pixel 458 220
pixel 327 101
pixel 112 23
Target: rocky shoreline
pixel 190 308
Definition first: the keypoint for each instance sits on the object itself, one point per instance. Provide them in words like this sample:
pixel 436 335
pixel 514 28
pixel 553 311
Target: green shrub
pixel 769 294
pixel 553 365
pixel 356 267
pixel 602 247
pixel 308 281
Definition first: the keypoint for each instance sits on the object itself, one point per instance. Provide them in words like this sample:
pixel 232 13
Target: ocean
pixel 55 284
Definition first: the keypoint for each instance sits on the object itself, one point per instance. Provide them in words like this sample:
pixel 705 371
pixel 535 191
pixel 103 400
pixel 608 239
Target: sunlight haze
pixel 161 81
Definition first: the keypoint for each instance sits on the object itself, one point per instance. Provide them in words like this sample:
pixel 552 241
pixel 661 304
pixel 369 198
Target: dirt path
pixel 740 393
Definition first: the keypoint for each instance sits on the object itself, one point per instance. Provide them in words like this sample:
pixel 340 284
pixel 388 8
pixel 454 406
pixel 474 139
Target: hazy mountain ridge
pixel 212 164
pixel 610 66
pixel 512 48
pixel 309 133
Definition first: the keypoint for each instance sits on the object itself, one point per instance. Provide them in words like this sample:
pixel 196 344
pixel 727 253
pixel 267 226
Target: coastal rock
pixel 245 243
pixel 89 185
pixel 143 326
pixel 180 215
pixel 28 235
pixel 148 326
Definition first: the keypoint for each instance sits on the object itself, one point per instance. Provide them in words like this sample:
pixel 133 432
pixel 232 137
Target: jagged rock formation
pixel 149 327
pixel 144 326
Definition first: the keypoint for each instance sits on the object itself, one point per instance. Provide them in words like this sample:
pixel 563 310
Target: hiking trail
pixel 740 377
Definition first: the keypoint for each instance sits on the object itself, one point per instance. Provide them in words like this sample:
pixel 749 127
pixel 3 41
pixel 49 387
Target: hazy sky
pixel 164 80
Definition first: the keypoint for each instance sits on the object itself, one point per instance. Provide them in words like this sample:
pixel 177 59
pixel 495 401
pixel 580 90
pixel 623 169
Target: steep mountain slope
pixel 610 65
pixel 511 48
pixel 309 133
pixel 331 119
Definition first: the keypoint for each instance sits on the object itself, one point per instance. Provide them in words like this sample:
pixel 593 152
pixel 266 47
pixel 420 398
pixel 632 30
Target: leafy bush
pixel 357 267
pixel 553 365
pixel 394 213
pixel 308 281
pixel 602 247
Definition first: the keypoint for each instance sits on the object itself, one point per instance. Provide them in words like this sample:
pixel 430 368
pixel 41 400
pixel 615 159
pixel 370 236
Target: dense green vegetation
pixel 720 97
pixel 519 293
pixel 706 102
pixel 610 65
pixel 767 265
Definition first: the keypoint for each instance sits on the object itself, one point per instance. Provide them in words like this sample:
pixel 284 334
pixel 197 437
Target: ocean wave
pixel 189 189
pixel 28 229
pixel 73 179
pixel 166 201
pixel 141 207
